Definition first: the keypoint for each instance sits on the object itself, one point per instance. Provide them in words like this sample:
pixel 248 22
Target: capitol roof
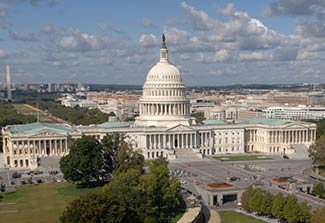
pixel 39 127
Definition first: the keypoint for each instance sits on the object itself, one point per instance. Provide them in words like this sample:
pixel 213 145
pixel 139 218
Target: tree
pixel 318 189
pixel 304 212
pixel 291 209
pixel 317 151
pixel 266 205
pixel 127 197
pixel 84 163
pixel 88 208
pixel 318 215
pixel 277 207
pixel 162 192
pixel 125 158
pixel 256 200
pixel 111 145
pixel 246 196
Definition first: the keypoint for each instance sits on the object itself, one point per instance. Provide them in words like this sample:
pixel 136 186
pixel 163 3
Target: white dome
pixel 163 102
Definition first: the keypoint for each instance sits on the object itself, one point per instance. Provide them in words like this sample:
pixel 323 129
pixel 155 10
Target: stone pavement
pixel 214 217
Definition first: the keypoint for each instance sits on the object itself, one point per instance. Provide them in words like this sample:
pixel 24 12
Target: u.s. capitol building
pixel 163 128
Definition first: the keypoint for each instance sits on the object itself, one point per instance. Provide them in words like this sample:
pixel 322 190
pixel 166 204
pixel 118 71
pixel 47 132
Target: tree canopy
pixel 318 215
pixel 131 196
pixel 84 163
pixel 287 208
pixel 317 151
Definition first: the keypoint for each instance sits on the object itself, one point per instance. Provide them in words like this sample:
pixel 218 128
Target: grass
pixel 24 109
pixel 322 172
pixel 46 202
pixel 242 158
pixel 40 203
pixel 235 217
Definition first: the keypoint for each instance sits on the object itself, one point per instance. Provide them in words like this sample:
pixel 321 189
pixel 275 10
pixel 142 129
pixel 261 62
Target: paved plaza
pixel 196 173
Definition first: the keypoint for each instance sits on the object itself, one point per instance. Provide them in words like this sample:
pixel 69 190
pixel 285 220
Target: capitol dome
pixel 163 102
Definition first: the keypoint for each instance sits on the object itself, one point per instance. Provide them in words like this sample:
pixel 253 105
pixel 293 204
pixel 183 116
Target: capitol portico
pixel 163 128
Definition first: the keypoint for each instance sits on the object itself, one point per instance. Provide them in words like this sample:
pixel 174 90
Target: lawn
pixel 235 217
pixel 322 172
pixel 40 203
pixel 24 109
pixel 242 158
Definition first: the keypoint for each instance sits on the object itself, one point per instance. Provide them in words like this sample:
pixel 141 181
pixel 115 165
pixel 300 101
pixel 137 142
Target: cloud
pixel 219 56
pixel 311 29
pixel 295 7
pixel 83 42
pixel 22 36
pixel 199 19
pixel 149 40
pixel 109 28
pixel 228 11
pixel 3 54
pixel 148 23
pixel 252 56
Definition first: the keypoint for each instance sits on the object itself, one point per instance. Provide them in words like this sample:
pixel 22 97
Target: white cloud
pixel 83 42
pixel 149 40
pixel 252 56
pixel 199 19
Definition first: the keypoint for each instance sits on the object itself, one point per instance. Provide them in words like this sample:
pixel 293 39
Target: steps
pixel 185 154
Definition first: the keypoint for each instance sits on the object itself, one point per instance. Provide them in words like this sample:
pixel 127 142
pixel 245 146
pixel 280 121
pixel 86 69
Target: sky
pixel 117 41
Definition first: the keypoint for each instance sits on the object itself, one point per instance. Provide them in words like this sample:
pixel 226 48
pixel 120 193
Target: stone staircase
pixel 185 154
pixel 298 152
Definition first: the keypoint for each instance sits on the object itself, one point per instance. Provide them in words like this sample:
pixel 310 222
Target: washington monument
pixel 9 96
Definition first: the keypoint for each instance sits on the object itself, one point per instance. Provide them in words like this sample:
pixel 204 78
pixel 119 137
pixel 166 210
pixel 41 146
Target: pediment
pixel 179 128
pixel 295 126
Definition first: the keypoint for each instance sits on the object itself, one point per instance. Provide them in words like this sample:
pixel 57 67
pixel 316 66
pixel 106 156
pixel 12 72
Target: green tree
pixel 317 151
pixel 304 212
pixel 246 196
pixel 318 189
pixel 162 192
pixel 127 197
pixel 125 158
pixel 266 205
pixel 256 200
pixel 277 207
pixel 111 145
pixel 291 209
pixel 318 215
pixel 84 163
pixel 88 208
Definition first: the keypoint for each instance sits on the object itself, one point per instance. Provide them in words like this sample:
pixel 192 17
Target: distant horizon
pixel 140 85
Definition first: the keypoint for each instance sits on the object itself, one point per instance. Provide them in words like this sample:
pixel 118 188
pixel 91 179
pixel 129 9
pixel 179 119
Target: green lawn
pixel 242 158
pixel 40 203
pixel 235 217
pixel 45 202
pixel 322 172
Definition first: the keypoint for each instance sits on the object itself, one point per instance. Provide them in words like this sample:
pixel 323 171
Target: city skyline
pixel 212 43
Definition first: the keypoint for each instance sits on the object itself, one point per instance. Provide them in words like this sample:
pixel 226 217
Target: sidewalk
pixel 214 217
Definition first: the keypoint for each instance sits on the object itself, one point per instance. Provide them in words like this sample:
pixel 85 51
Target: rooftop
pixel 114 124
pixel 39 127
pixel 214 122
pixel 266 121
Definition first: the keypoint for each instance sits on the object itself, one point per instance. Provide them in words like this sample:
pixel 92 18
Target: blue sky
pixel 116 42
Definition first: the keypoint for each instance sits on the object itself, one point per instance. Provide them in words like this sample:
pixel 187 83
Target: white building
pixel 295 113
pixel 164 128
